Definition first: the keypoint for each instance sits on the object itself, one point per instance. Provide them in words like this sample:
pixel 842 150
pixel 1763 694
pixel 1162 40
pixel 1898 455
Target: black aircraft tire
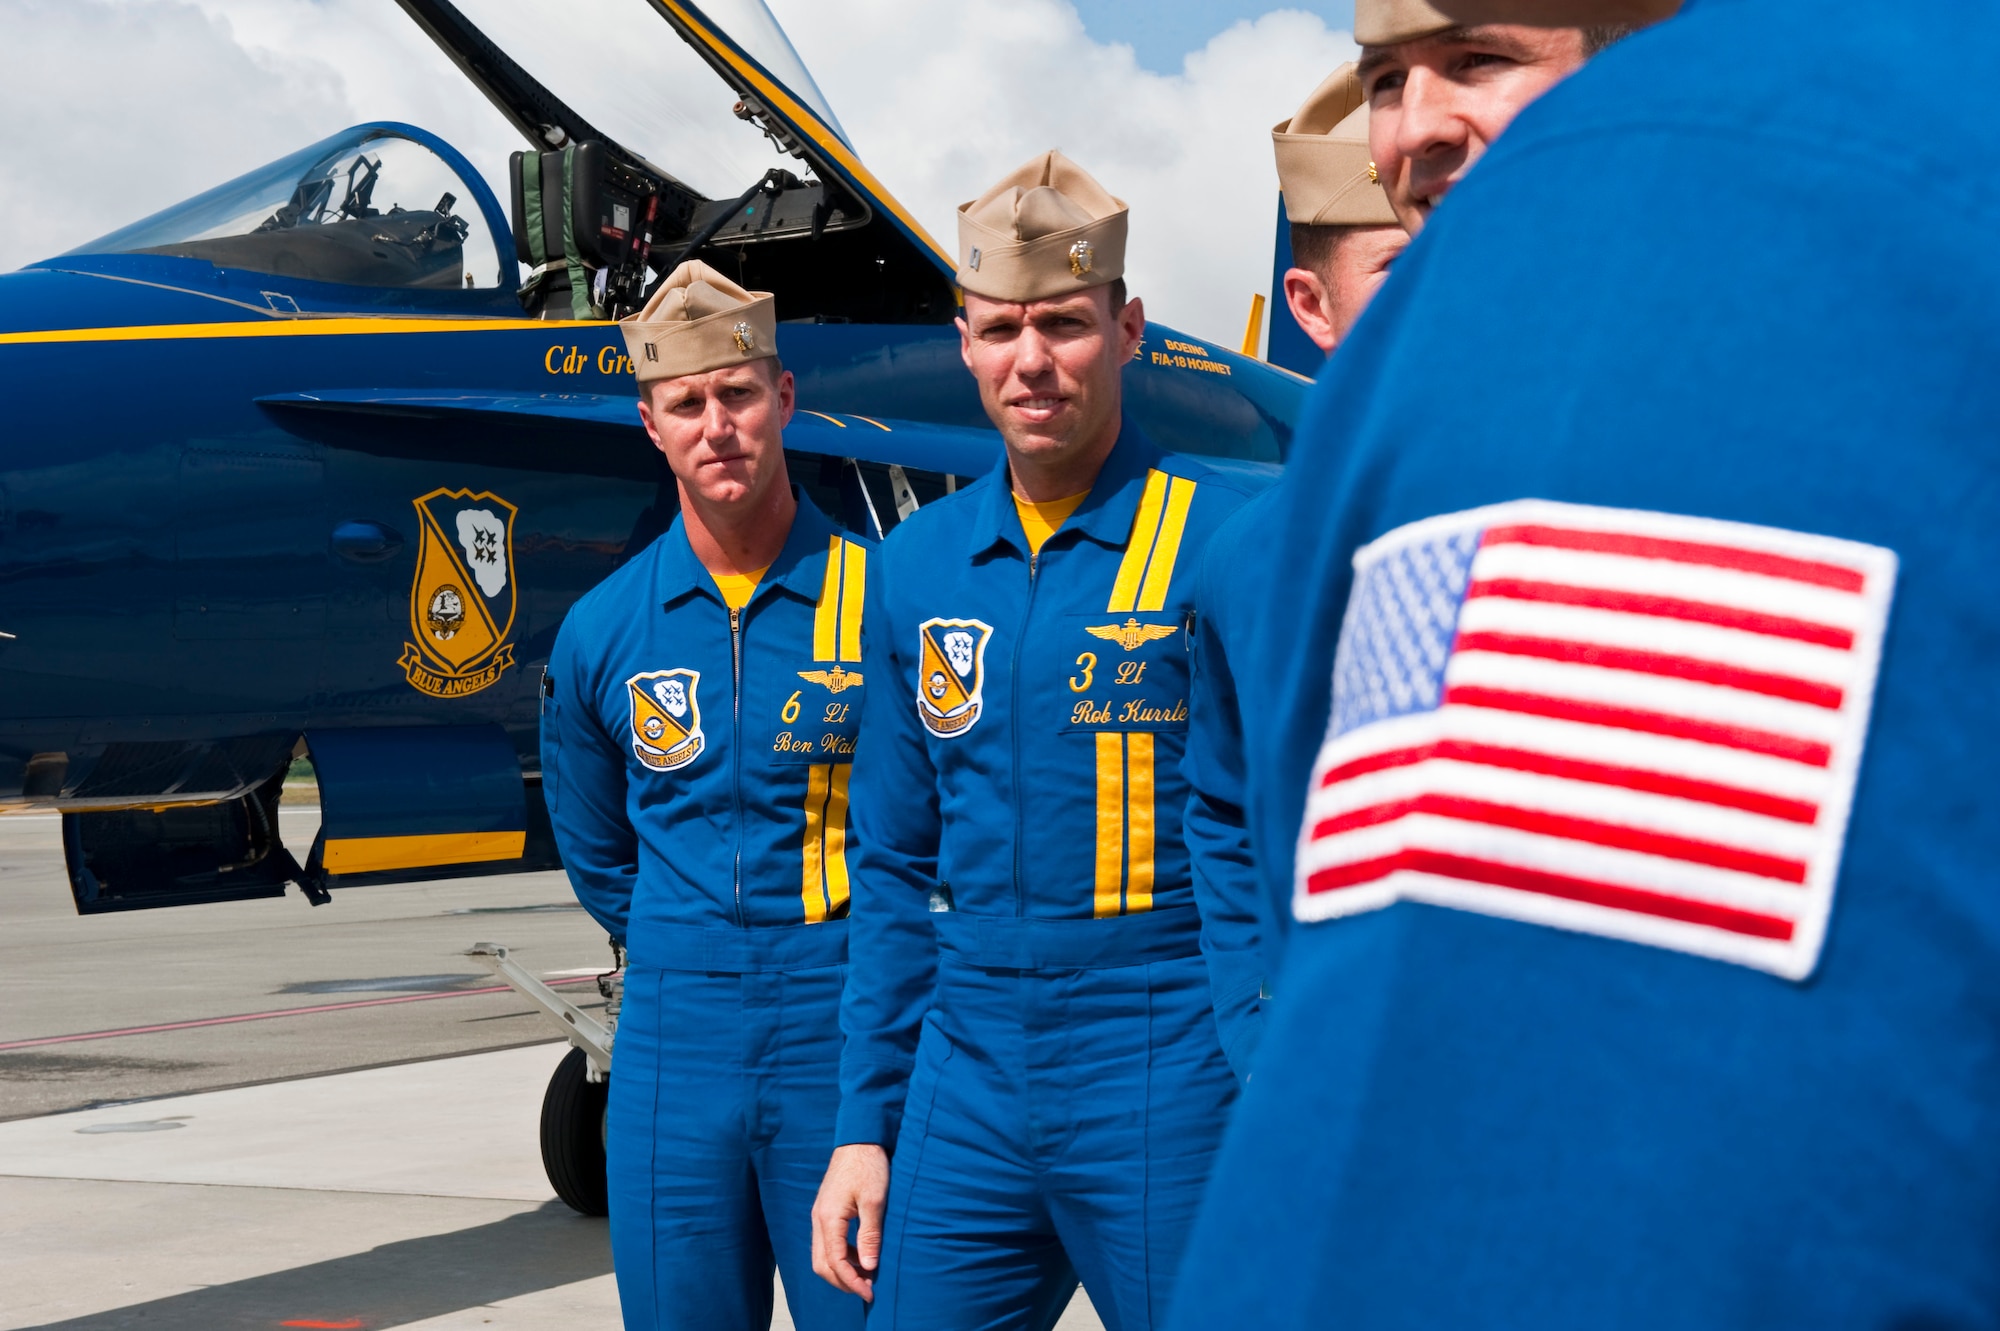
pixel 573 1135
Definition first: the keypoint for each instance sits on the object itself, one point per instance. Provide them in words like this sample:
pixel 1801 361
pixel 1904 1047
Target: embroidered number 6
pixel 791 711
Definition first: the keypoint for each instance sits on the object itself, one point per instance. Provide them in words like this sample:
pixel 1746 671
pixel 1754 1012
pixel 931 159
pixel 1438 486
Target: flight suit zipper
pixel 1014 731
pixel 736 747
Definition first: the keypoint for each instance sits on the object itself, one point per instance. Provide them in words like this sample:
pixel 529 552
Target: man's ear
pixel 1312 307
pixel 964 341
pixel 646 417
pixel 1131 328
pixel 788 398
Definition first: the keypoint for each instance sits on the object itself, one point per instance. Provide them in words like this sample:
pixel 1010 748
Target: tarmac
pixel 265 1114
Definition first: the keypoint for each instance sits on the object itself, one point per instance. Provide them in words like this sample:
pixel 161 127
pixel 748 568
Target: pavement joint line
pixel 278 1081
pixel 283 1187
pixel 43 1041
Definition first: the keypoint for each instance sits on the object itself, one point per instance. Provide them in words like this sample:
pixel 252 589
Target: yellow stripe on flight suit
pixel 1139 546
pixel 1138 821
pixel 1125 805
pixel 836 637
pixel 837 618
pixel 1124 879
pixel 1109 899
pixel 853 589
pixel 825 888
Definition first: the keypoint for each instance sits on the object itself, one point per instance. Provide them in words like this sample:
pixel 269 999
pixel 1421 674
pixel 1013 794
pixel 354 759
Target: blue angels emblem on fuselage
pixel 462 598
pixel 951 673
pixel 666 718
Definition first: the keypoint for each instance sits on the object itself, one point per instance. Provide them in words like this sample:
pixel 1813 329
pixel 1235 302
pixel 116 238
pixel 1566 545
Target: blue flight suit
pixel 1238 933
pixel 1676 286
pixel 696 764
pixel 1029 1026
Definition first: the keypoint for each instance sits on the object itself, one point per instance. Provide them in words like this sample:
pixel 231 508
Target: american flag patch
pixel 1631 724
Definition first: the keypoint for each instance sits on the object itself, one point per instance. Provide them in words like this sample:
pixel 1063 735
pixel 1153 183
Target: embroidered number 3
pixel 1089 663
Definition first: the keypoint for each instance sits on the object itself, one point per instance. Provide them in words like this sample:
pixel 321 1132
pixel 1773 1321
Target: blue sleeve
pixel 583 780
pixel 892 949
pixel 1215 826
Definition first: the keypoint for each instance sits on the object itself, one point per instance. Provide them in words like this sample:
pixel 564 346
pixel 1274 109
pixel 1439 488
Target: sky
pixel 117 108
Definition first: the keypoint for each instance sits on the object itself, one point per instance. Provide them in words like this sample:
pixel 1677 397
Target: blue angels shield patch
pixel 951 672
pixel 666 718
pixel 462 598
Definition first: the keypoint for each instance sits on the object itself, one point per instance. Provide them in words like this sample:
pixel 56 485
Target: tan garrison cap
pixel 1555 13
pixel 1323 164
pixel 1386 22
pixel 698 321
pixel 1045 230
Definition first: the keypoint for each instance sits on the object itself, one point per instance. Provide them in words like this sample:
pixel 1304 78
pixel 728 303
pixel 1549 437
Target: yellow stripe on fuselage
pixel 784 102
pixel 339 327
pixel 377 854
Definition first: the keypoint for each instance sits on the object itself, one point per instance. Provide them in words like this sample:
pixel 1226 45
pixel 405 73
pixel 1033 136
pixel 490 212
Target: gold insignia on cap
pixel 746 338
pixel 1081 256
pixel 1374 177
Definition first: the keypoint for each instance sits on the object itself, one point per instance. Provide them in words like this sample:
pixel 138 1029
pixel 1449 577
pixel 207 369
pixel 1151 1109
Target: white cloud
pixel 117 108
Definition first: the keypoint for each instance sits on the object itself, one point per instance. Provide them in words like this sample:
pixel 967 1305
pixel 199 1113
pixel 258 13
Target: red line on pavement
pixel 264 1016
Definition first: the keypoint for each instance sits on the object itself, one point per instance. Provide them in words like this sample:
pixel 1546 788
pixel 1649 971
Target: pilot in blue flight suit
pixel 1029 1028
pixel 1632 717
pixel 698 734
pixel 1344 236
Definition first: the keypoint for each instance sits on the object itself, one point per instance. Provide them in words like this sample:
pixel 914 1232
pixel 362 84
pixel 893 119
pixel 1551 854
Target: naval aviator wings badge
pixel 462 598
pixel 666 718
pixel 951 672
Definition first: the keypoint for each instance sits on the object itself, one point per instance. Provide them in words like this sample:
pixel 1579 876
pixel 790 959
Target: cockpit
pixel 678 131
pixel 377 206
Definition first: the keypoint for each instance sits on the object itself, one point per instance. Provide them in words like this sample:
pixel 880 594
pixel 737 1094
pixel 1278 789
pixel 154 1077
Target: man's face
pixel 1048 371
pixel 1435 104
pixel 723 431
pixel 1326 302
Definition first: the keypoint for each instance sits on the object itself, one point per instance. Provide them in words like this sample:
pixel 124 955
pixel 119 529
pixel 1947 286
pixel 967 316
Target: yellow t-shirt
pixel 736 588
pixel 1040 521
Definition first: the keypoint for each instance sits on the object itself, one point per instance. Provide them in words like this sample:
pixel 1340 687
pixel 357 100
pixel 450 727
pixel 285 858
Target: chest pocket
pixel 820 720
pixel 1128 672
pixel 1131 664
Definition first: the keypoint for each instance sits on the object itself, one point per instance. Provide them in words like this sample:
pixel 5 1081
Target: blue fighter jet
pixel 301 466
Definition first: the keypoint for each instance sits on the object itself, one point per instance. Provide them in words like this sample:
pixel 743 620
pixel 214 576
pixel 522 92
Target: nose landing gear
pixel 573 1105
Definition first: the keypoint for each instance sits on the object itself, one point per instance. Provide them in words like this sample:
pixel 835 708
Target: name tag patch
pixel 1638 725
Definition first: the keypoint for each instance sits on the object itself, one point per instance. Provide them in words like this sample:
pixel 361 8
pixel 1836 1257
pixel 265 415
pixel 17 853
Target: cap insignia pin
pixel 652 352
pixel 1373 177
pixel 973 262
pixel 1080 257
pixel 746 338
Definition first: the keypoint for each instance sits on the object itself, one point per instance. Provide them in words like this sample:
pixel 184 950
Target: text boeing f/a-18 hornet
pixel 357 472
